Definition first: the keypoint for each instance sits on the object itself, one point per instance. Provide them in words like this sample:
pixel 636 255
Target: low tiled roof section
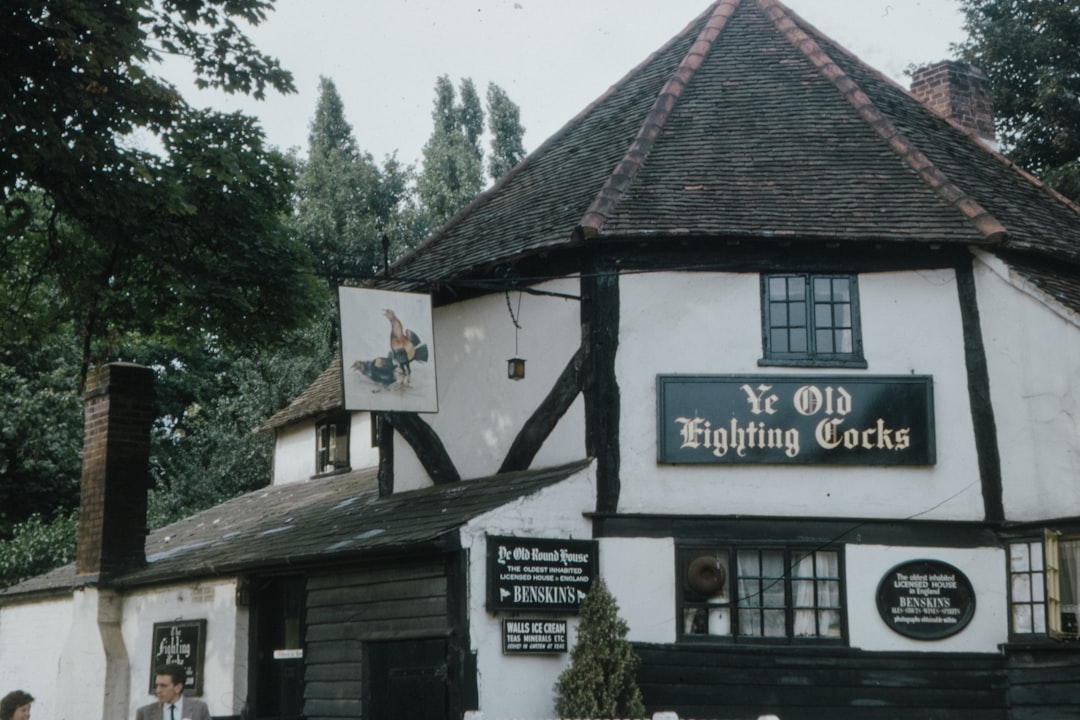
pixel 325 394
pixel 752 124
pixel 314 521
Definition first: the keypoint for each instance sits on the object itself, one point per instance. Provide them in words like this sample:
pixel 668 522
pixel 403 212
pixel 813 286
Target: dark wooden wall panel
pixel 357 604
pixel 809 684
pixel 1044 683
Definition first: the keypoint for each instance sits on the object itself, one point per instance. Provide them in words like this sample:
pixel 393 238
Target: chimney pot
pixel 959 92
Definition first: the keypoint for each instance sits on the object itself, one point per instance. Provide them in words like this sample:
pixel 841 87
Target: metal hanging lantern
pixel 515 366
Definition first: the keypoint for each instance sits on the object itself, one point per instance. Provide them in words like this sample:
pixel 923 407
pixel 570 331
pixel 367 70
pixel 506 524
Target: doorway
pixel 408 679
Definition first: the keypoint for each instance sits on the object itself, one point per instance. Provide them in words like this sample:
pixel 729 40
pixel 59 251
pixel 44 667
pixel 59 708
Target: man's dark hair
pixel 178 673
pixel 13 701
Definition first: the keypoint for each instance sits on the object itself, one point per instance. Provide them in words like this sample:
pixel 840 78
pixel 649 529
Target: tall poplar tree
pixel 452 167
pixel 504 126
pixel 346 203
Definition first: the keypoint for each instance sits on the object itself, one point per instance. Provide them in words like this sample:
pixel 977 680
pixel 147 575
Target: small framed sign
pixel 530 635
pixel 182 642
pixel 545 574
pixel 926 599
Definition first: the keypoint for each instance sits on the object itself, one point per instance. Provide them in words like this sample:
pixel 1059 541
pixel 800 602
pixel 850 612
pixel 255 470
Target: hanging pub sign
pixel 539 573
pixel 926 599
pixel 387 351
pixel 181 642
pixel 781 419
pixel 528 636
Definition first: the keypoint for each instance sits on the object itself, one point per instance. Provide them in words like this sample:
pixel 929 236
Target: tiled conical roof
pixel 752 125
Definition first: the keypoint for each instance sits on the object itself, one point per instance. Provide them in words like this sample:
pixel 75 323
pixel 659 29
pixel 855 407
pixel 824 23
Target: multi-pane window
pixel 811 319
pixel 332 444
pixel 742 593
pixel 1027 581
pixel 1044 586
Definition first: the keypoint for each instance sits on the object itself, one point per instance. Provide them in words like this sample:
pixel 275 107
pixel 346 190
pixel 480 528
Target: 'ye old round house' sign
pixel 926 599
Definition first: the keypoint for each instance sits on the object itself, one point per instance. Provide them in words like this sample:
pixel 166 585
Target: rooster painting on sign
pixel 381 369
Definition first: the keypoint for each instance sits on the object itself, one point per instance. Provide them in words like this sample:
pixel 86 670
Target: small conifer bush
pixel 599 682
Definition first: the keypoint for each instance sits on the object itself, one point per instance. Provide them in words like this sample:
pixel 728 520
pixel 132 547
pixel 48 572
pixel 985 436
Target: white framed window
pixel 1044 586
pixel 743 594
pixel 332 444
pixel 811 319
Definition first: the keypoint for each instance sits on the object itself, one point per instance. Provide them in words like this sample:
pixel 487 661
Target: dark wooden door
pixel 279 649
pixel 408 680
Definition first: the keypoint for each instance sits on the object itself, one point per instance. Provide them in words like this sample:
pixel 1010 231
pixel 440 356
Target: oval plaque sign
pixel 926 599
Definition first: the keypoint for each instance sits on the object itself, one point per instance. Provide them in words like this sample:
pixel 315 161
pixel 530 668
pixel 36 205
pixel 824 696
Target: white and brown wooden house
pixel 802 360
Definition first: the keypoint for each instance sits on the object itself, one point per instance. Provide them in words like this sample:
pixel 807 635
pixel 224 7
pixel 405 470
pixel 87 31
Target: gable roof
pixel 751 125
pixel 321 520
pixel 325 394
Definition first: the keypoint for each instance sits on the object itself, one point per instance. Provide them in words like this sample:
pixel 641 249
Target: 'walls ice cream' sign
pixel 780 419
pixel 539 573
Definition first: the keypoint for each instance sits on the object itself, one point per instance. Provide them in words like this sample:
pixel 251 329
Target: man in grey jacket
pixel 169 684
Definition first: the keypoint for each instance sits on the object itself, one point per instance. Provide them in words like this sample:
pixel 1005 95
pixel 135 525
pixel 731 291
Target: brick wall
pixel 119 410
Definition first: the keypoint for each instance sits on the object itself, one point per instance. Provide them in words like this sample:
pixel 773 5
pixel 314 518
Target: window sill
pixel 777 362
pixel 335 471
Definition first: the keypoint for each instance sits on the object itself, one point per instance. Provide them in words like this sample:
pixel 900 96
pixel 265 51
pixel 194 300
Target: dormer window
pixel 332 444
pixel 811 319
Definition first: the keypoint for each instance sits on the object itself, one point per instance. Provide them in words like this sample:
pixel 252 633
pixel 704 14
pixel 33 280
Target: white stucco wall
pixel 294 450
pixel 698 323
pixel 1033 356
pixel 226 666
pixel 32 639
pixel 508 683
pixel 866 565
pixel 480 409
pixel 294 453
pixel 640 572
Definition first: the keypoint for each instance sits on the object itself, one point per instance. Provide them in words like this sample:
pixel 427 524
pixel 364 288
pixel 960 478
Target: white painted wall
pixel 711 324
pixel 294 453
pixel 225 669
pixel 1033 355
pixel 294 450
pixel 866 565
pixel 509 683
pixel 640 572
pixel 32 639
pixel 480 410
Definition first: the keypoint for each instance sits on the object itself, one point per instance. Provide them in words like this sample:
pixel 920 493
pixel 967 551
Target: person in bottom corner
pixel 169 683
pixel 16 705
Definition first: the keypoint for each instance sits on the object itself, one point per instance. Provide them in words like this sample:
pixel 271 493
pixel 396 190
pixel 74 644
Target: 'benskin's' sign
pixel 835 420
pixel 539 573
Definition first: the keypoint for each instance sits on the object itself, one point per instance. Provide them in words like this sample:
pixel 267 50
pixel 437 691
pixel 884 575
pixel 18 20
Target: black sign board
pixel 180 643
pixel 526 636
pixel 782 419
pixel 539 573
pixel 926 599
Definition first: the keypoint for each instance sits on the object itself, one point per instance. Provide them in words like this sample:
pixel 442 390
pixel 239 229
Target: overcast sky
pixel 552 57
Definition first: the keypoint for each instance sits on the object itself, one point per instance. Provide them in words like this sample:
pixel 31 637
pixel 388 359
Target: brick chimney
pixel 959 92
pixel 119 410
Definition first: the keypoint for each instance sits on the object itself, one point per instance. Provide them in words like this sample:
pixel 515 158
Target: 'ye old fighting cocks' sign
pixel 781 419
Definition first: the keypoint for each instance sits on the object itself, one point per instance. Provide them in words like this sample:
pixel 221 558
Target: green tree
pixel 452 168
pixel 599 682
pixel 41 425
pixel 1029 51
pixel 504 126
pixel 345 203
pixel 184 243
pixel 38 546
